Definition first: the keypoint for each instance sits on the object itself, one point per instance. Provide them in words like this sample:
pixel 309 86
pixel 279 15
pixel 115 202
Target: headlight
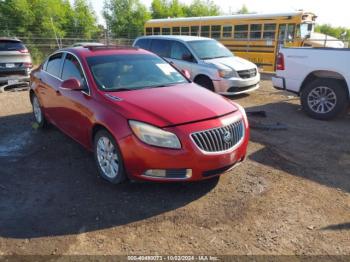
pixel 226 73
pixel 154 136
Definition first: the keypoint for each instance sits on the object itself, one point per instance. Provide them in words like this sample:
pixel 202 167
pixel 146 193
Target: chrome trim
pixel 210 145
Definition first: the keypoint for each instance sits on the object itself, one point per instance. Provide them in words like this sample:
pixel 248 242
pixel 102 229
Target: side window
pixel 166 31
pixel 143 43
pixel 185 30
pixel 180 52
pixel 161 47
pixel 227 31
pixel 194 30
pixel 156 31
pixel 241 32
pixel 269 31
pixel 71 68
pixel 54 64
pixel 215 31
pixel 148 30
pixel 176 30
pixel 205 31
pixel 255 31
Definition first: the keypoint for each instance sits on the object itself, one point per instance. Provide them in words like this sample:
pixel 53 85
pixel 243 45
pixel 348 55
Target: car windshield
pixel 209 49
pixel 131 72
pixel 10 45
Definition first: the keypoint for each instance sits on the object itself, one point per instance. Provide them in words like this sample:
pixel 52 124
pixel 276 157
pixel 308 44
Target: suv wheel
pixel 324 99
pixel 108 157
pixel 205 82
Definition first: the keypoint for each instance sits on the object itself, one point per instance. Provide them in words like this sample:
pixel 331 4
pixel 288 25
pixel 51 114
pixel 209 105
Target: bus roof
pixel 229 17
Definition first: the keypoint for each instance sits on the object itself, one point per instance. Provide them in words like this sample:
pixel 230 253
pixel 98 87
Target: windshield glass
pixel 131 72
pixel 209 49
pixel 305 30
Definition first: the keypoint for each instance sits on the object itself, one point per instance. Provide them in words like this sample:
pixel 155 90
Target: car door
pixel 76 112
pixel 48 85
pixel 181 56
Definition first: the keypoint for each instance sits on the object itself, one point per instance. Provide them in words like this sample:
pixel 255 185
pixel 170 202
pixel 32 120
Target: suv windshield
pixel 131 72
pixel 209 49
pixel 11 45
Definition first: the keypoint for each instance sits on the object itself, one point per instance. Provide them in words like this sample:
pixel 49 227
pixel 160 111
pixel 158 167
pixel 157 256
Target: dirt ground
pixel 291 195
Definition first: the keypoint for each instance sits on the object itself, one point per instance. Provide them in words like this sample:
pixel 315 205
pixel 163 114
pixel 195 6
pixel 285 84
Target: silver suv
pixel 209 63
pixel 15 63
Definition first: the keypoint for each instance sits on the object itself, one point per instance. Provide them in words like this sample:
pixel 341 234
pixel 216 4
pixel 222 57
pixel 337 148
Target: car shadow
pixel 344 226
pixel 307 148
pixel 49 187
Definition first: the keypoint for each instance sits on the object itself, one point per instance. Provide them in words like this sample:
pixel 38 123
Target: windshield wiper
pixel 121 89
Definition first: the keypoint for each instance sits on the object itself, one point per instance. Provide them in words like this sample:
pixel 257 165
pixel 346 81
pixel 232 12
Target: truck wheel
pixel 205 82
pixel 324 99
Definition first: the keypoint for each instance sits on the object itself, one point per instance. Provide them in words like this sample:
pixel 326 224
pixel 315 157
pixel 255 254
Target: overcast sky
pixel 333 12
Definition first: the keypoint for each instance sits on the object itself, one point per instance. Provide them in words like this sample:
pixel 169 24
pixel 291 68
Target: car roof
pixel 88 51
pixel 10 39
pixel 184 38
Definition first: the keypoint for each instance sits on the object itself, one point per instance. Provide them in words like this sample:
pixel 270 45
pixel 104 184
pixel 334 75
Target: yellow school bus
pixel 255 37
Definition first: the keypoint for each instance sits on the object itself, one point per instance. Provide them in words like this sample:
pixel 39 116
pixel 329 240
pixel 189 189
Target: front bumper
pixel 139 157
pixel 236 85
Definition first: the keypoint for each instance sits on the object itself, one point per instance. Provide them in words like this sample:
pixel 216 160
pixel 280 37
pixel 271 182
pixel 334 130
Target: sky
pixel 333 12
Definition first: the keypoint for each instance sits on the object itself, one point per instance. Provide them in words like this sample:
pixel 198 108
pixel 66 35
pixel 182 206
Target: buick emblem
pixel 226 136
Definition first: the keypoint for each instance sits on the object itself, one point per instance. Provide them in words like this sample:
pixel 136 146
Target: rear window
pixel 11 46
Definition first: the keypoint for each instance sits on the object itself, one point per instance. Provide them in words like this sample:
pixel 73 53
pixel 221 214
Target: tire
pixel 109 161
pixel 205 82
pixel 324 99
pixel 38 112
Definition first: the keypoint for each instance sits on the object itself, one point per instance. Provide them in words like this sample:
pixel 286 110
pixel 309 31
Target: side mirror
pixel 186 73
pixel 187 57
pixel 72 84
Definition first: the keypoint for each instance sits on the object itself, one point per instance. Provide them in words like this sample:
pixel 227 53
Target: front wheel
pixel 205 82
pixel 38 112
pixel 108 157
pixel 324 99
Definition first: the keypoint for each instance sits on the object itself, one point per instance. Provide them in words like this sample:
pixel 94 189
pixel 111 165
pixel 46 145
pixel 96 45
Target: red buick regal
pixel 142 118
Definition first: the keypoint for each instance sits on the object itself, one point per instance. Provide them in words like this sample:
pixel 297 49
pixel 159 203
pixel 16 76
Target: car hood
pixel 168 106
pixel 235 63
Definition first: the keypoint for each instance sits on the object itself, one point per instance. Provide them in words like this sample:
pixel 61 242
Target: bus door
pixel 286 35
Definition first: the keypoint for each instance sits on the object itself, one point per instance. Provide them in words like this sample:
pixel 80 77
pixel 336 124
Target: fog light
pixel 169 173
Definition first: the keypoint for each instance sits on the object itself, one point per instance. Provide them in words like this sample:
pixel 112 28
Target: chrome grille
pixel 247 73
pixel 219 139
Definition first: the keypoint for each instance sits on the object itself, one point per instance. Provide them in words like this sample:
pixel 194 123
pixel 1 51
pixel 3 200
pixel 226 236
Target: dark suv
pixel 15 64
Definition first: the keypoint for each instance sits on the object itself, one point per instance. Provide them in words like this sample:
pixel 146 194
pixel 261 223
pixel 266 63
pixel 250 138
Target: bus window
pixel 176 30
pixel 255 31
pixel 286 32
pixel 148 30
pixel 194 30
pixel 156 30
pixel 215 31
pixel 291 31
pixel 205 31
pixel 269 31
pixel 165 31
pixel 227 31
pixel 185 30
pixel 241 31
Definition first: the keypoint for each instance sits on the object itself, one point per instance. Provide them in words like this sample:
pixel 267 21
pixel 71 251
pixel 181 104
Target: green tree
pixel 160 9
pixel 338 32
pixel 243 10
pixel 202 8
pixel 125 18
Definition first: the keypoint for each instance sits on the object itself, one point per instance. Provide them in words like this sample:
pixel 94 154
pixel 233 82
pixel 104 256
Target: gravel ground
pixel 291 196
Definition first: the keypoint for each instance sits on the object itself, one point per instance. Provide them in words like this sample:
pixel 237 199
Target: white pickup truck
pixel 320 76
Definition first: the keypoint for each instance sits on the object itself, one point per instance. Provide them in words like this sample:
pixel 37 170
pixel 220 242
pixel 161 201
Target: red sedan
pixel 142 118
